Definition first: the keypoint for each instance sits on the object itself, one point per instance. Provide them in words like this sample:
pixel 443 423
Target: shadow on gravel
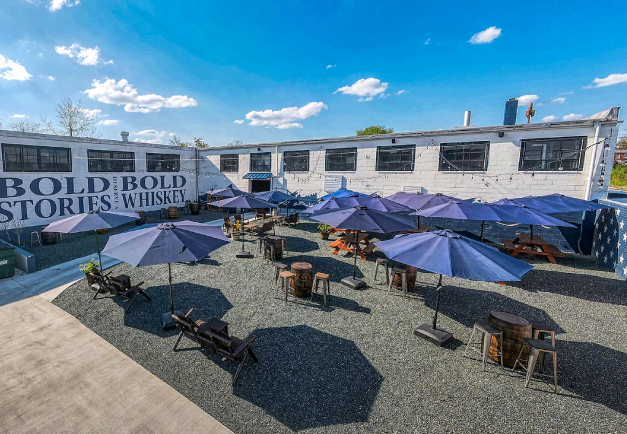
pixel 586 287
pixel 306 378
pixel 300 245
pixel 594 372
pixel 468 306
pixel 146 315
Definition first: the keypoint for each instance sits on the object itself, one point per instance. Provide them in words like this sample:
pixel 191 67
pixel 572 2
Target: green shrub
pixel 619 176
pixel 90 267
pixel 325 229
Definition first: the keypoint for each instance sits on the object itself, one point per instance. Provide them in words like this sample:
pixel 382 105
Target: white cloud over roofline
pixel 366 88
pixel 83 55
pixel 610 80
pixel 284 118
pixel 11 70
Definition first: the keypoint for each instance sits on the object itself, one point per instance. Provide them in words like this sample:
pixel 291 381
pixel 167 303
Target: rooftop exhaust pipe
pixel 124 135
pixel 467 118
pixel 511 110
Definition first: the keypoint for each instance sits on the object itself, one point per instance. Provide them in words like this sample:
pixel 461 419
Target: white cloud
pixel 14 71
pixel 550 118
pixel 57 5
pixel 526 99
pixel 18 116
pixel 239 121
pixel 427 41
pixel 609 80
pixel 559 100
pixel 485 36
pixel 400 92
pixel 83 55
pixel 366 88
pixel 572 117
pixel 123 93
pixel 285 118
pixel 109 122
pixel 566 93
pixel 153 136
pixel 92 113
pixel 51 78
pixel 331 66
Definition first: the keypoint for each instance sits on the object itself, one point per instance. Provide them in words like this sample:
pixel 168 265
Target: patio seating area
pixel 353 364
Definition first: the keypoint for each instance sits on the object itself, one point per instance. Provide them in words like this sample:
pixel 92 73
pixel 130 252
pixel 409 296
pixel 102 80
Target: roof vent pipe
pixel 124 135
pixel 467 118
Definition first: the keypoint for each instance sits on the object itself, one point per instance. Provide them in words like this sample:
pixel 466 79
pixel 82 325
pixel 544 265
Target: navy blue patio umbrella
pixel 165 243
pixel 554 203
pixel 92 221
pixel 277 197
pixel 244 201
pixel 229 191
pixel 420 201
pixel 343 192
pixel 372 201
pixel 361 218
pixel 450 254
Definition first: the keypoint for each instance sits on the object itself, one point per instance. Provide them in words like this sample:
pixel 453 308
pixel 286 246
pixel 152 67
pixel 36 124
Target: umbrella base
pixel 438 337
pixel 353 283
pixel 243 254
pixel 167 322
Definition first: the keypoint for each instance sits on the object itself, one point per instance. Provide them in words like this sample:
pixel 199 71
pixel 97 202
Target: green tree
pixel 374 129
pixel 235 143
pixel 72 120
pixel 176 141
pixel 199 143
pixel 27 126
pixel 621 143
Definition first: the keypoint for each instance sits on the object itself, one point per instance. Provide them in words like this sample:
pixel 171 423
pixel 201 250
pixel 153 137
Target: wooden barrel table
pixel 173 213
pixel 48 238
pixel 194 208
pixel 142 217
pixel 411 274
pixel 515 329
pixel 303 279
pixel 276 243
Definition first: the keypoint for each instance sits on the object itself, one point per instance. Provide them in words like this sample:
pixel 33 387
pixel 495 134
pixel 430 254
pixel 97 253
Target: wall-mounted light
pixel 501 134
pixel 258 149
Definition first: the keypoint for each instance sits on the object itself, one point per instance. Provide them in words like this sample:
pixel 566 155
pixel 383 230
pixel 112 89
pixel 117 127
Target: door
pixel 259 185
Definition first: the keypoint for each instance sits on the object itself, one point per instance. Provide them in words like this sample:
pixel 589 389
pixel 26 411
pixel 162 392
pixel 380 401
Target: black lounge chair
pixel 129 294
pixel 232 348
pixel 191 329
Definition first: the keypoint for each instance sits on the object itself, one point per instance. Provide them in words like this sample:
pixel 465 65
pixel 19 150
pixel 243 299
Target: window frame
pixel 378 166
pixel 293 157
pixel 152 158
pixel 443 160
pixel 524 151
pixel 255 169
pixel 124 159
pixel 232 157
pixel 38 159
pixel 339 151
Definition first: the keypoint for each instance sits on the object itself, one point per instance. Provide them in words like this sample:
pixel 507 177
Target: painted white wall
pixel 490 185
pixel 64 193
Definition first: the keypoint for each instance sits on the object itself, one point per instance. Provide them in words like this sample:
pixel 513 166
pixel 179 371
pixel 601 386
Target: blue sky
pixel 284 70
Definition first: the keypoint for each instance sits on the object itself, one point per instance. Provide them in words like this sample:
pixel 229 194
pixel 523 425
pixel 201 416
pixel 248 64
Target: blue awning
pixel 252 175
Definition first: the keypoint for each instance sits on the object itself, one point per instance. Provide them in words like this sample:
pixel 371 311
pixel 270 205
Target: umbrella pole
pixel 170 281
pixel 355 255
pixel 482 225
pixel 437 303
pixel 531 226
pixel 98 247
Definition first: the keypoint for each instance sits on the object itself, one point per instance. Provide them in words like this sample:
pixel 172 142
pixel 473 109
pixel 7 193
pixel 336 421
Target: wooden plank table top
pixel 536 245
pixel 350 243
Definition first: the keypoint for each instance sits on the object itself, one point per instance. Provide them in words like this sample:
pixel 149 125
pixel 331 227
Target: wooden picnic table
pixel 352 241
pixel 420 229
pixel 250 226
pixel 536 245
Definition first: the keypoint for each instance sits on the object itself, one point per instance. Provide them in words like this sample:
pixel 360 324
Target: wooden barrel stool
pixel 515 329
pixel 326 290
pixel 303 279
pixel 410 275
pixel 173 213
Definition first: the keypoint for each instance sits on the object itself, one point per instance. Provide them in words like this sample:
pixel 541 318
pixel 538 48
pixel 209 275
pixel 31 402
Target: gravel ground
pixel 355 366
pixel 78 245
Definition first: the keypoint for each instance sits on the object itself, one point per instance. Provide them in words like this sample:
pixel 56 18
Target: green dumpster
pixel 7 260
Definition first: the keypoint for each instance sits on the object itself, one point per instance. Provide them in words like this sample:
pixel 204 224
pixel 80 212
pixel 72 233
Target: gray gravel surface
pixel 355 366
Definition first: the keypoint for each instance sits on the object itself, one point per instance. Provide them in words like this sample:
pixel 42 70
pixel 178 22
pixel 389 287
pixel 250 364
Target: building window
pixel 261 162
pixel 229 163
pixel 110 161
pixel 464 156
pixel 396 158
pixel 296 161
pixel 341 160
pixel 564 153
pixel 163 162
pixel 22 158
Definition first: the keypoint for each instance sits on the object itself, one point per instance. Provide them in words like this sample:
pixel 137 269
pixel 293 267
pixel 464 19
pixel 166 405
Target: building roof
pixel 606 116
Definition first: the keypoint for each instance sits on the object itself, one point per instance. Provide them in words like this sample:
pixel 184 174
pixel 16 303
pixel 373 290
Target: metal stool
pixel 382 261
pixel 188 207
pixel 540 331
pixel 284 281
pixel 486 331
pixel 279 267
pixel 403 275
pixel 324 278
pixel 261 241
pixel 37 237
pixel 538 347
pixel 163 213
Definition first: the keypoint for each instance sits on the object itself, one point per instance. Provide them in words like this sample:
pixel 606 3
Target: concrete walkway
pixel 57 376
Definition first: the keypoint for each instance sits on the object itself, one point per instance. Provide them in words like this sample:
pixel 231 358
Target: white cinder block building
pixel 486 163
pixel 46 178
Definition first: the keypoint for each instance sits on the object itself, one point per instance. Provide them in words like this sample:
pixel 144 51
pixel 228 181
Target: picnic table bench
pixel 536 245
pixel 350 241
